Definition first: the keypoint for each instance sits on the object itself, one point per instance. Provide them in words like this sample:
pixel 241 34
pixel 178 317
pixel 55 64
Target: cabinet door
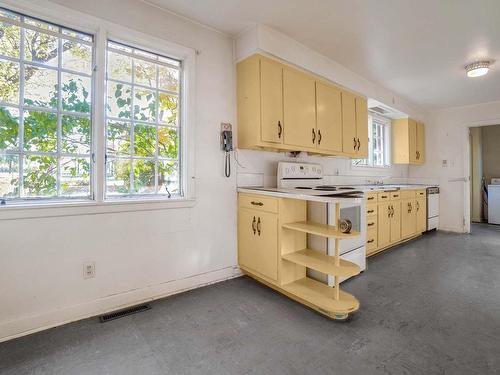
pixel 396 222
pixel 299 109
pixel 420 143
pixel 362 127
pixel 408 218
pixel 258 242
pixel 349 141
pixel 421 212
pixel 384 225
pixel 271 93
pixel 412 135
pixel 329 117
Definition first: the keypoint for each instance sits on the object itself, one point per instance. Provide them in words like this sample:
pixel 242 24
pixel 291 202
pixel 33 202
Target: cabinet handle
pixel 371 224
pixel 388 211
pixel 409 207
pixel 359 144
pixel 392 210
pixel 258 226
pixel 280 129
pixel 314 135
pixel 257 203
pixel 418 206
pixel 355 143
pixel 253 225
pixel 319 137
pixel 371 211
pixel 370 241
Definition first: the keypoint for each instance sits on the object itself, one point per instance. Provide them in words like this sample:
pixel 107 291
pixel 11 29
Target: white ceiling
pixel 417 48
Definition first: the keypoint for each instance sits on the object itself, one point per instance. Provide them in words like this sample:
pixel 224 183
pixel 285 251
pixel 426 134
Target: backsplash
pixel 259 168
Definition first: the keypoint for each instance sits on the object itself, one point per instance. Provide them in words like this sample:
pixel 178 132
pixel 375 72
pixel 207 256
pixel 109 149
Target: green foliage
pixel 40 127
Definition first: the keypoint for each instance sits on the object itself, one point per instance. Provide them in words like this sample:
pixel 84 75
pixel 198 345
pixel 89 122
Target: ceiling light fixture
pixel 477 69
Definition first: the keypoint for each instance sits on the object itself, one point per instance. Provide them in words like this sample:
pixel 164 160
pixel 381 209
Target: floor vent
pixel 125 312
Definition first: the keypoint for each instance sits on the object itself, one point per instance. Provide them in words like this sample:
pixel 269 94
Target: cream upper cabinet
pixel 299 108
pixel 349 141
pixel 260 103
pixel 328 117
pixel 281 108
pixel 271 91
pixel 362 127
pixel 408 140
pixel 420 148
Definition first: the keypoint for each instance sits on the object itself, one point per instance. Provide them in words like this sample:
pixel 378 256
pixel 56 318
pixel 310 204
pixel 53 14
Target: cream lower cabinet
pixel 258 241
pixel 408 217
pixel 400 215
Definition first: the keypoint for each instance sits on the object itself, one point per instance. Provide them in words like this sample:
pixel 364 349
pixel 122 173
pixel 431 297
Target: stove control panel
pixel 305 171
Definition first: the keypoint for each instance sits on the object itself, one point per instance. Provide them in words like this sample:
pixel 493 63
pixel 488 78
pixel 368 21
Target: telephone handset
pixel 226 142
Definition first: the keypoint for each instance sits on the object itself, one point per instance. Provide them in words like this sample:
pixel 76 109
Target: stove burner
pixel 303 187
pixel 326 188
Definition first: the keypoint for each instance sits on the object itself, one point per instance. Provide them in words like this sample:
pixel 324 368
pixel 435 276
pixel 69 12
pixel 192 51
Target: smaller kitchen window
pixel 379 143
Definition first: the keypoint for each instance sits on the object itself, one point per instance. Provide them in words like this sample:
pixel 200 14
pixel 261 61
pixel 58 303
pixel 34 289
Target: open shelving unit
pixel 330 301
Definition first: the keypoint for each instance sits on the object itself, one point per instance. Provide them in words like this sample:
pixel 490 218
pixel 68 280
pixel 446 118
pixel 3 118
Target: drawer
pixel 407 194
pixel 371 241
pixel 371 222
pixel 371 197
pixel 371 210
pixel 421 193
pixel 395 195
pixel 384 196
pixel 258 202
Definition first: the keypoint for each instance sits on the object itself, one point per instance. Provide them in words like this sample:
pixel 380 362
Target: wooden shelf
pixel 322 263
pixel 323 230
pixel 320 295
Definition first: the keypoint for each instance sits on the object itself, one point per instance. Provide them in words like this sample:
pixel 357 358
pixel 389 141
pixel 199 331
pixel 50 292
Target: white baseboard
pixel 27 325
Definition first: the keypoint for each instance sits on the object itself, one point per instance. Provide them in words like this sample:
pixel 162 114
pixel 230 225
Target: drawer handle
pixel 371 211
pixel 371 224
pixel 370 241
pixel 384 196
pixel 396 195
pixel 257 203
pixel 371 198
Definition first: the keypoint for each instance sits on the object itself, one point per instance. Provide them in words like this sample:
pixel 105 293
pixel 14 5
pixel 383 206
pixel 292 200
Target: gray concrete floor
pixel 431 306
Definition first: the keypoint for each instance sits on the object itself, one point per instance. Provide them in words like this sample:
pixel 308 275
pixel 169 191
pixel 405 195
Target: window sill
pixel 88 207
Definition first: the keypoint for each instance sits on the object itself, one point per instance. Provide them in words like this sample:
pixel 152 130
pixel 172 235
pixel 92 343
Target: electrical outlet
pixel 88 270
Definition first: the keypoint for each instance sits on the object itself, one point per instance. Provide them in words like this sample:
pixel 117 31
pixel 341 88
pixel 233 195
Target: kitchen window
pixel 142 123
pixel 379 143
pixel 46 91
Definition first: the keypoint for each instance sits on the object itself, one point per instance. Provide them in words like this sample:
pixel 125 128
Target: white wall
pixel 138 254
pixel 447 139
pixel 260 166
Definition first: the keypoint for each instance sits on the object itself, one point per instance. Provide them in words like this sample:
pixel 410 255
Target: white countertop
pixel 287 193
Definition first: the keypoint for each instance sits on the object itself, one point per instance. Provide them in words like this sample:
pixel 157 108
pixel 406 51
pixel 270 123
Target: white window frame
pixel 58 111
pixel 386 143
pixel 102 31
pixel 156 123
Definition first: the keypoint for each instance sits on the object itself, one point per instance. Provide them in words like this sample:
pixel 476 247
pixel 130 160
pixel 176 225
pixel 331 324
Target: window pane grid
pixel 40 171
pixel 134 106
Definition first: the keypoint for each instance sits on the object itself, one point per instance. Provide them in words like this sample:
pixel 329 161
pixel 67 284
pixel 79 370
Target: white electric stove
pixel 308 179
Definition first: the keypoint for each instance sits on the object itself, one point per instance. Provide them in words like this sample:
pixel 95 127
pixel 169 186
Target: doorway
pixel 484 166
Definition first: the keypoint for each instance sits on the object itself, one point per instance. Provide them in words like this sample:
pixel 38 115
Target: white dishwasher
pixel 432 208
pixel 494 202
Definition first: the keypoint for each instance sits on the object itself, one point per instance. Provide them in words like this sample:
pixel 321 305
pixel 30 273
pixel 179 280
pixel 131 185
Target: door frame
pixel 467 167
